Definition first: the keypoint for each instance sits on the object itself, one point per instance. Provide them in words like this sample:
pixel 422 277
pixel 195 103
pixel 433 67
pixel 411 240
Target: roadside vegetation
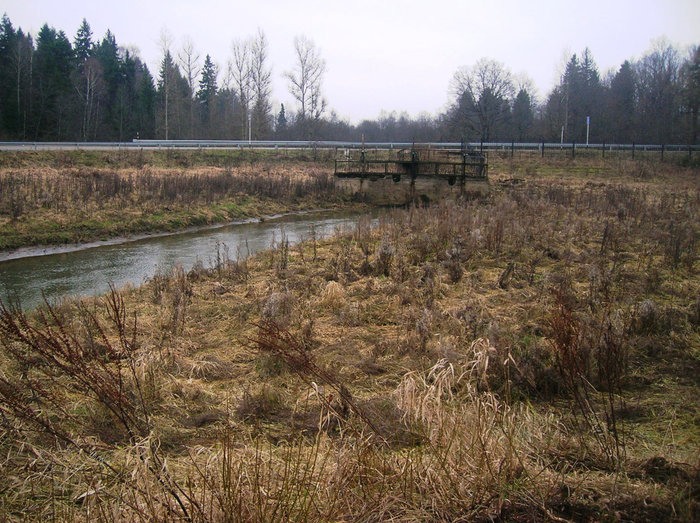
pixel 77 196
pixel 534 355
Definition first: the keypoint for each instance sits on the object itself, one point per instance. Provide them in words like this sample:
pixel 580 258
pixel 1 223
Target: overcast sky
pixel 384 55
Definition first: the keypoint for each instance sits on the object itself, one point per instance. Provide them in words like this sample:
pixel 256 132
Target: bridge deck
pixel 449 164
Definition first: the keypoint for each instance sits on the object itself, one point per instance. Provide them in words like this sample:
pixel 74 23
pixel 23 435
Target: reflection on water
pixel 89 272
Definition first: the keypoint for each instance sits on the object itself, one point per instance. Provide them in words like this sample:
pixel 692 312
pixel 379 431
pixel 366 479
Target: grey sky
pixel 391 55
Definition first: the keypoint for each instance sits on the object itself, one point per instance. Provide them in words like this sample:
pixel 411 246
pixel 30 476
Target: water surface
pixel 88 272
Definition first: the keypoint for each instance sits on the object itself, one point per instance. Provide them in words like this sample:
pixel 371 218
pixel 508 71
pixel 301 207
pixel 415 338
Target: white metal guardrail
pixel 292 144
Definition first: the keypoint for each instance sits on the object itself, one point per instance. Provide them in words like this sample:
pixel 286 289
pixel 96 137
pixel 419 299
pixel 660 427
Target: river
pixel 89 270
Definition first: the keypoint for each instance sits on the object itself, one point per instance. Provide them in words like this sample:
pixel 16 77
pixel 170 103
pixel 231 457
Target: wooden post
pixel 512 149
pixel 603 149
pixel 542 154
pixel 662 152
pixel 633 150
pixel 573 149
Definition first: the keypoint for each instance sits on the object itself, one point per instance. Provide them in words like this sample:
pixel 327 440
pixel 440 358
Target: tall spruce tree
pixel 9 112
pixel 173 91
pixel 83 44
pixel 51 84
pixel 281 124
pixel 107 53
pixel 166 80
pixel 621 105
pixel 88 80
pixel 146 105
pixel 207 92
pixel 523 115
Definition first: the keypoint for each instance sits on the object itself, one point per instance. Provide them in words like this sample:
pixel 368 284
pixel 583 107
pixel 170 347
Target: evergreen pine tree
pixel 9 113
pixel 207 91
pixel 621 109
pixel 52 87
pixel 82 44
pixel 107 53
pixel 167 89
pixel 522 115
pixel 281 124
pixel 146 105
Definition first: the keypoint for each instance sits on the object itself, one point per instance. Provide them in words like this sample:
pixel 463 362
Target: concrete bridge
pixel 419 174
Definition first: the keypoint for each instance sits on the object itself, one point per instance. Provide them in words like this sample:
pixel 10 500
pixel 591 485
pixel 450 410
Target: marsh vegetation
pixel 529 356
pixel 78 196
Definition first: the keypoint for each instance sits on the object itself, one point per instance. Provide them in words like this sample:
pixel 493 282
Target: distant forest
pixel 87 89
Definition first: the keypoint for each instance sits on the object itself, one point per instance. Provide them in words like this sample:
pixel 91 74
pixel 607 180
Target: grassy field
pixel 77 196
pixel 532 356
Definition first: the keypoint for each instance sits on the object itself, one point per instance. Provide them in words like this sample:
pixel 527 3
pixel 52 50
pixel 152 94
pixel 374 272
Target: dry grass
pixel 40 205
pixel 419 370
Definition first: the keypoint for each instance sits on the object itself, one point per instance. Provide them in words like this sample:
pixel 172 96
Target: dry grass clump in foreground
pixel 530 357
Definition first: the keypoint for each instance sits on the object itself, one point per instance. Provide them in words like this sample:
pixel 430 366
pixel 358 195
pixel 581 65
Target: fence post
pixel 573 149
pixel 512 148
pixel 603 149
pixel 690 152
pixel 662 152
pixel 633 150
pixel 481 147
pixel 543 149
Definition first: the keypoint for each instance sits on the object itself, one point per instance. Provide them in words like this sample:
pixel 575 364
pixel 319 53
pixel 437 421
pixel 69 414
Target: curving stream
pixel 88 270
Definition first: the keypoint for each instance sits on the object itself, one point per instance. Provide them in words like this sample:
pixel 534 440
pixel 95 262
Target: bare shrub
pixel 453 265
pixel 281 253
pixel 279 308
pixel 349 315
pixel 260 404
pixel 571 341
pixel 340 263
pixel 333 295
pixel 694 315
pixel 385 255
pixel 494 234
pixel 37 403
pixel 273 340
pixel 680 245
pixel 647 317
pixel 179 296
pixel 423 329
pixel 363 238
pixel 158 284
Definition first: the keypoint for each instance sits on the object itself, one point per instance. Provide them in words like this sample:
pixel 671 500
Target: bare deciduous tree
pixel 485 75
pixel 240 74
pixel 306 78
pixel 483 94
pixel 21 61
pixel 260 76
pixel 189 59
pixel 91 85
pixel 657 74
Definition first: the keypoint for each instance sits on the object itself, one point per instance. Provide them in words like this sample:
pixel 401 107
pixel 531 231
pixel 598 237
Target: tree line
pixel 55 89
